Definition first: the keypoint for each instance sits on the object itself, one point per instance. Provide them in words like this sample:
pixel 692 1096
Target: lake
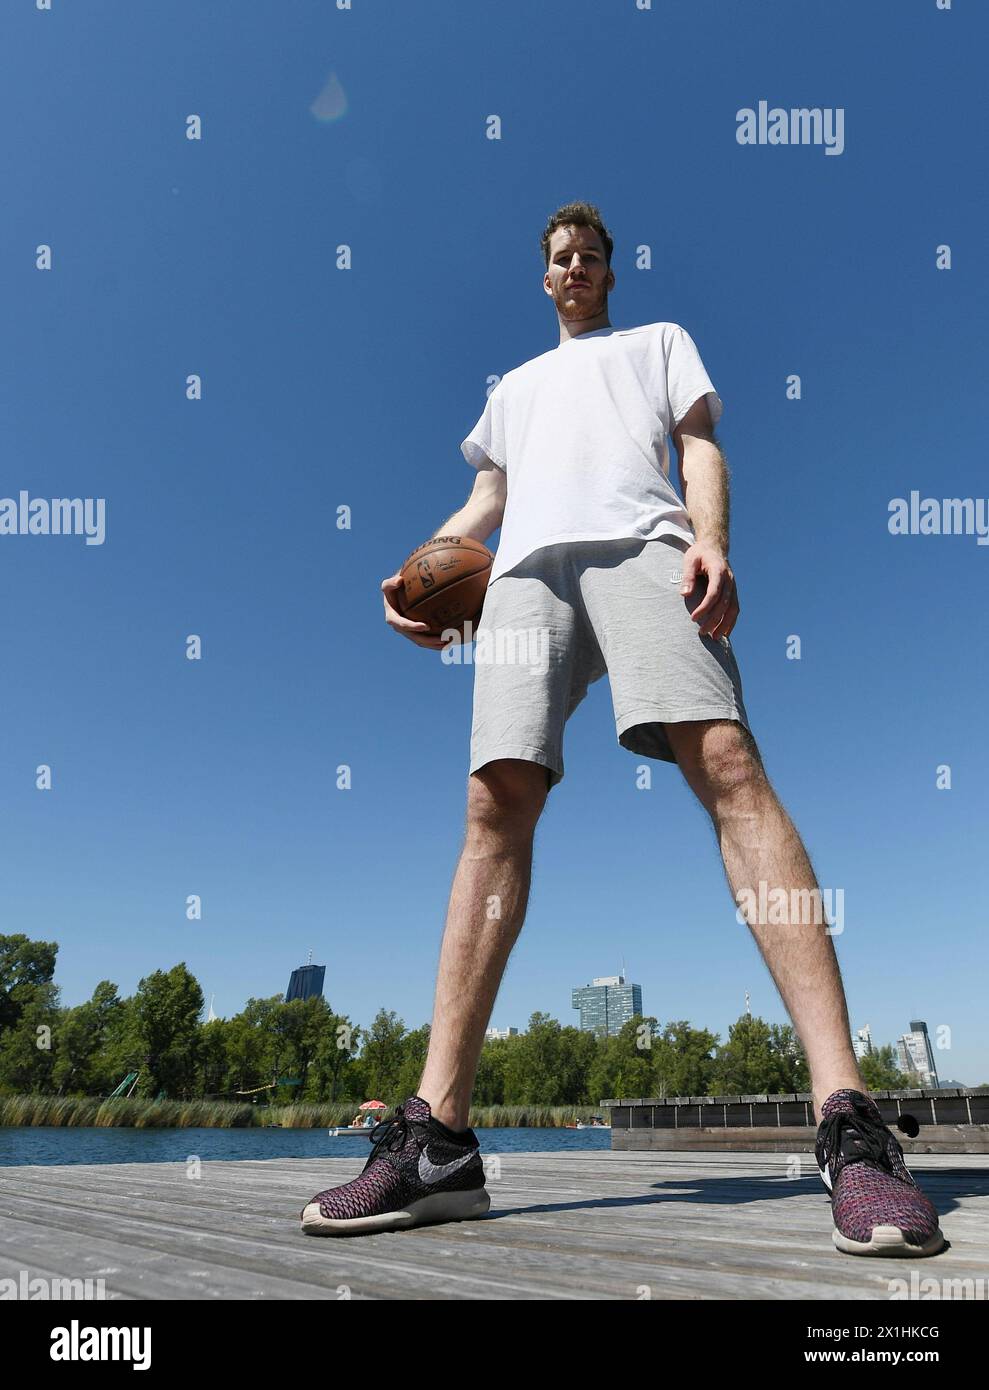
pixel 21 1144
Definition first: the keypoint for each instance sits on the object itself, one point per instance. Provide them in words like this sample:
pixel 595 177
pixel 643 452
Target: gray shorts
pixel 573 611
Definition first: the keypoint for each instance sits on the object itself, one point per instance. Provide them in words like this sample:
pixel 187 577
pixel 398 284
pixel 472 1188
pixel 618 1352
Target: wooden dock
pixel 602 1225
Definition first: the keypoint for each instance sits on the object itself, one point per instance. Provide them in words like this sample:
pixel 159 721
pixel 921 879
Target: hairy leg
pixel 759 844
pixel 484 917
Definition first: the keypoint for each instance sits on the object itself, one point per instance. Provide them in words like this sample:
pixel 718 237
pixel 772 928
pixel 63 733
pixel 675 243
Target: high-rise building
pixel 914 1052
pixel 862 1042
pixel 306 982
pixel 606 1004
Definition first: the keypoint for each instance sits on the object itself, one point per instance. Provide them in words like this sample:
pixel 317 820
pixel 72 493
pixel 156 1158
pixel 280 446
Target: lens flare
pixel 331 103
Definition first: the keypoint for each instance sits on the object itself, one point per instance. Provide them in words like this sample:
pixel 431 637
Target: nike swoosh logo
pixel 436 1172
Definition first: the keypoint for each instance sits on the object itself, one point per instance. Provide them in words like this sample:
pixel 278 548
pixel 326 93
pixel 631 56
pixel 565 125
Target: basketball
pixel 444 583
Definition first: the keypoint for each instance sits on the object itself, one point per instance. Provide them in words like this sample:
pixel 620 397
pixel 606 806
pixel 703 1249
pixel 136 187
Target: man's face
pixel 578 276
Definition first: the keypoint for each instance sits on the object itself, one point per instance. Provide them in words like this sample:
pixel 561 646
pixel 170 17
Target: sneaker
pixel 877 1207
pixel 418 1172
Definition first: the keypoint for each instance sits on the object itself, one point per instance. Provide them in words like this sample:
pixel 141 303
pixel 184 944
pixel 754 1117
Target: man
pixel 599 554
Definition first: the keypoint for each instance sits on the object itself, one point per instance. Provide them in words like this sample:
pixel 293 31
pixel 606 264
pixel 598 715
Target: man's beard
pixel 586 306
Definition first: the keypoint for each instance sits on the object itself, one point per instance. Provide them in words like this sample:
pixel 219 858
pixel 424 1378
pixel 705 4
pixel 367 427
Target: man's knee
pixel 720 760
pixel 506 793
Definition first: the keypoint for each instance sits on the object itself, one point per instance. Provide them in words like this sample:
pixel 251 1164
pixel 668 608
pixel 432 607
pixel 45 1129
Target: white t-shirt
pixel 581 434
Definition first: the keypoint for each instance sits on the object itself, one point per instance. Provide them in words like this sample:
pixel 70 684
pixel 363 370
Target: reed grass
pixel 94 1111
pixel 72 1111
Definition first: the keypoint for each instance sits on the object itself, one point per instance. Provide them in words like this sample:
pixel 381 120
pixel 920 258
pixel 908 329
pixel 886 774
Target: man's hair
pixel 577 215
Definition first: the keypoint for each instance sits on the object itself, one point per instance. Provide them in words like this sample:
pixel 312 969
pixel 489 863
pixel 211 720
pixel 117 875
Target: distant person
pixel 598 552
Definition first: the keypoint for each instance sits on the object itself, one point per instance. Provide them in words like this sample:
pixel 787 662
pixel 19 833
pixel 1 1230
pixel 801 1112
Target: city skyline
pixel 862 1040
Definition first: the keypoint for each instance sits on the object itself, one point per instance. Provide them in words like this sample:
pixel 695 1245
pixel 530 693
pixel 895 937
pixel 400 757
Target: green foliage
pixel 62 1063
pixel 759 1058
pixel 83 1038
pixel 168 1006
pixel 414 1048
pixel 683 1061
pixel 382 1055
pixel 26 972
pixel 547 1065
pixel 881 1073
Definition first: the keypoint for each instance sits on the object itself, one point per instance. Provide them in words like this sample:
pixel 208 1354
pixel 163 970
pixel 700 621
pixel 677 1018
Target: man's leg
pixel 759 844
pixel 485 915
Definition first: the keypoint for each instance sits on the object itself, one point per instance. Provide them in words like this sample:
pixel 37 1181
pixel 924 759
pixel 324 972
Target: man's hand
pixel 718 610
pixel 416 632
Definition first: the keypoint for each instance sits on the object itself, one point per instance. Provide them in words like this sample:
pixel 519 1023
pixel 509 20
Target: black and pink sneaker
pixel 877 1207
pixel 418 1172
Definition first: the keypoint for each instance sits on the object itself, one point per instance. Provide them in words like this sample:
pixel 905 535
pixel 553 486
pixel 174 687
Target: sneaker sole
pixel 889 1241
pixel 465 1205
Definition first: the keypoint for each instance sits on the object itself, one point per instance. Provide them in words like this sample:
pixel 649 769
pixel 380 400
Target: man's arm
pixel 484 509
pixel 704 480
pixel 480 515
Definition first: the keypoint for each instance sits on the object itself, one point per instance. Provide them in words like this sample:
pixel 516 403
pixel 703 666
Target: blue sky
pixel 325 387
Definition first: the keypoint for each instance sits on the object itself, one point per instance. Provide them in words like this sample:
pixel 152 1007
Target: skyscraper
pixel 305 982
pixel 862 1042
pixel 606 1004
pixel 914 1052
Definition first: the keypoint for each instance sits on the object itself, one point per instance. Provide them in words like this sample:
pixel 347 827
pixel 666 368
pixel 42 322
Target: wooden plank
pixel 603 1225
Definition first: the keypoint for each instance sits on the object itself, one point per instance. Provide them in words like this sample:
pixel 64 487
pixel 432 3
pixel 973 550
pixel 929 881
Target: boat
pixel 370 1107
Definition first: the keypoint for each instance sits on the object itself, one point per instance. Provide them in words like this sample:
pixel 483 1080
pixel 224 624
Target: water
pixel 45 1144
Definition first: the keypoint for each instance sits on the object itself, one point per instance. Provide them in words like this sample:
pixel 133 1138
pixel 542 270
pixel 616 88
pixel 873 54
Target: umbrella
pixel 372 1105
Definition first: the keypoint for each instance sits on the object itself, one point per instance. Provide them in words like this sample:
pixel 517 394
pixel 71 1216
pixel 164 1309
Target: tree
pixel 26 1055
pixel 602 1074
pixel 212 1060
pixel 880 1072
pixel 123 1051
pixel 578 1050
pixel 630 1059
pixel 489 1083
pixel 26 967
pixel 415 1045
pixel 251 1044
pixel 168 1007
pixel 336 1074
pixel 547 1065
pixel 757 1059
pixel 683 1064
pixel 81 1038
pixel 792 1073
pixel 381 1056
pixel 308 1031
